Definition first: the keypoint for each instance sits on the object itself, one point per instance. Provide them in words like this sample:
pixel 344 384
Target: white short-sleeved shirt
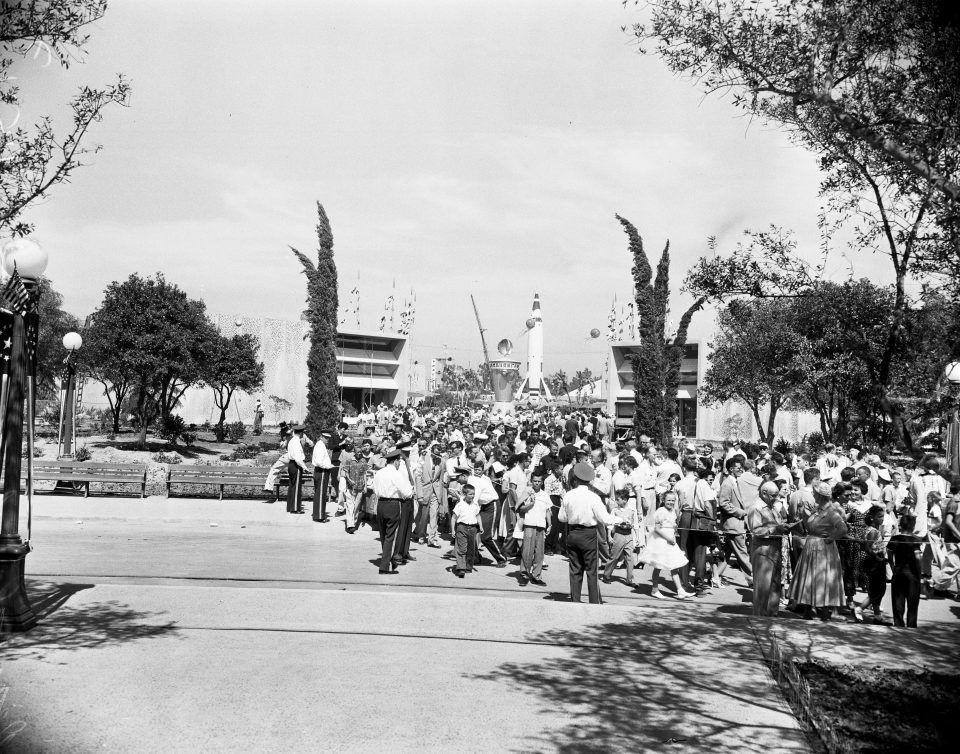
pixel 467 513
pixel 537 515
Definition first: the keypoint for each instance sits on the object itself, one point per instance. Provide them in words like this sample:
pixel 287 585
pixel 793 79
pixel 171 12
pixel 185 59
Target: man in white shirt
pixel 601 484
pixel 535 510
pixel 687 534
pixel 296 466
pixel 582 511
pixel 487 498
pixel 667 469
pixel 322 467
pixel 925 480
pixel 391 484
pixel 647 493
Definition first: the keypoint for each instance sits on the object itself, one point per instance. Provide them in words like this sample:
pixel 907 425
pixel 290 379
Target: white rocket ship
pixel 535 386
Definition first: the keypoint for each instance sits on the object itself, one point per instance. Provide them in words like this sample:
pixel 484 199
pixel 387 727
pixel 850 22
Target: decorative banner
pixel 32 321
pixel 612 321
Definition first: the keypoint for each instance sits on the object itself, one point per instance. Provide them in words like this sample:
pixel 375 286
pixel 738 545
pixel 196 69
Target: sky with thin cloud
pixel 458 148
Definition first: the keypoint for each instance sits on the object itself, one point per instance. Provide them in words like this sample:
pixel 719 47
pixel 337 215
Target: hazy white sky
pixel 458 147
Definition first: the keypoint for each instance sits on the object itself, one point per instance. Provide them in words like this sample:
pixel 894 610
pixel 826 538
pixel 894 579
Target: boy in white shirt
pixel 536 511
pixel 621 536
pixel 466 526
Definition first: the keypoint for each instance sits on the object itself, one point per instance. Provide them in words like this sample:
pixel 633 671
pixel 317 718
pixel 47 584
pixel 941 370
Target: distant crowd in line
pixel 819 534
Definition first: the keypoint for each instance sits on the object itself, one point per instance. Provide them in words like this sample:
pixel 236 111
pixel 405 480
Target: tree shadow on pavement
pixel 62 626
pixel 662 679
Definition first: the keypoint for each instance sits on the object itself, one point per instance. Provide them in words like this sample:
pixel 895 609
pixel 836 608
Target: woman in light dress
pixel 662 552
pixel 818 580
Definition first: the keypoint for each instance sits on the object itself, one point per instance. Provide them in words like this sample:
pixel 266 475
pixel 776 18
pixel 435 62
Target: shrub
pixel 814 442
pixel 82 454
pixel 783 446
pixel 37 451
pixel 172 428
pixel 236 431
pixel 243 452
pixel 169 458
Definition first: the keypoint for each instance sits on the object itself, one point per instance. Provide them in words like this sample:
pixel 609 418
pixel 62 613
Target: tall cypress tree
pixel 647 371
pixel 656 366
pixel 323 408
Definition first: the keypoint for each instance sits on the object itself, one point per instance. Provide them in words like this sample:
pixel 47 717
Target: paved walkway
pixel 195 625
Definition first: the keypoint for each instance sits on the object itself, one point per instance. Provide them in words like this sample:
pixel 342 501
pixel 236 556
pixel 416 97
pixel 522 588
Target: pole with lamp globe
pixel 68 418
pixel 25 261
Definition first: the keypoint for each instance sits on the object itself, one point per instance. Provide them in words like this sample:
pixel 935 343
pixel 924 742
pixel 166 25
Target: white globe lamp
pixel 25 256
pixel 72 341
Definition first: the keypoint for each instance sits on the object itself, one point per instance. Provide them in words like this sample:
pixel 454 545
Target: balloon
pixel 239 323
pixel 505 346
pixel 594 333
pixel 530 323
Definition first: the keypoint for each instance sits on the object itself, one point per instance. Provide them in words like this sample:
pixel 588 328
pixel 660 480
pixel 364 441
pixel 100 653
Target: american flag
pixel 15 295
pixel 6 340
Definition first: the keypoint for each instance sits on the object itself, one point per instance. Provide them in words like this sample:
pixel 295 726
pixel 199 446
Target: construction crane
pixel 483 339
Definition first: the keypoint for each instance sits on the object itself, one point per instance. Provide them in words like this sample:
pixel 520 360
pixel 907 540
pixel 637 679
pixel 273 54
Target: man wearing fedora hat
pixel 392 485
pixel 581 510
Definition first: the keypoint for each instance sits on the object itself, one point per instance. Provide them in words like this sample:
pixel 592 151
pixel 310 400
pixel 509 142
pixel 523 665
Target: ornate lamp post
pixel 25 262
pixel 68 417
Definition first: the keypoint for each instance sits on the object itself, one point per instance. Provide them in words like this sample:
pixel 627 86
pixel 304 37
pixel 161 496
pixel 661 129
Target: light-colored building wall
pixel 383 367
pixel 704 422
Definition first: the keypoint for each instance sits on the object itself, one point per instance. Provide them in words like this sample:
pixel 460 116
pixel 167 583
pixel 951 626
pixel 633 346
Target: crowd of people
pixel 819 533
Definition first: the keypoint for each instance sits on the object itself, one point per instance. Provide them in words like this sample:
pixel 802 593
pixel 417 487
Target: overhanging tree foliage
pixel 32 159
pixel 656 366
pixel 323 405
pixel 882 75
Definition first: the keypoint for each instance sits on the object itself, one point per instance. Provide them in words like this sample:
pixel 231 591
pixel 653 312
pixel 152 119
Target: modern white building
pixel 693 419
pixel 374 367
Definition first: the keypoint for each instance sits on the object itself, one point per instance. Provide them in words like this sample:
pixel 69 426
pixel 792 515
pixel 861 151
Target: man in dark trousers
pixel 322 465
pixel 391 484
pixel 405 532
pixel 582 511
pixel 296 466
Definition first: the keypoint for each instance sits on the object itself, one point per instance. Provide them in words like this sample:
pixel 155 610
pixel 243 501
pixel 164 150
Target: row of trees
pixel 560 384
pixel 820 352
pixel 148 342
